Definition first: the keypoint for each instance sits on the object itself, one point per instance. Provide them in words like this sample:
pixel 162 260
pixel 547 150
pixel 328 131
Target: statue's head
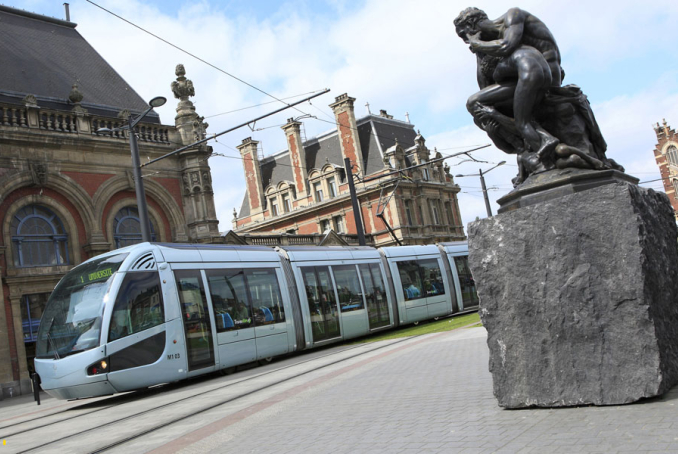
pixel 180 71
pixel 467 21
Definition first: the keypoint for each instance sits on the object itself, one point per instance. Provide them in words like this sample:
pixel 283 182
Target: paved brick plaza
pixel 435 395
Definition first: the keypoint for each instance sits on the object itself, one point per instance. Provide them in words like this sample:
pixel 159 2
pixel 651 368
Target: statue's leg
pixel 534 76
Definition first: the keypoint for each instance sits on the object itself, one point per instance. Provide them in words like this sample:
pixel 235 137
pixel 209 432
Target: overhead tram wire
pixel 192 55
pixel 231 75
pixel 259 105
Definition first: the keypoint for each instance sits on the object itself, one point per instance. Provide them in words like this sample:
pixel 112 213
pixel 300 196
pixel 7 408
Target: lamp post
pixel 482 184
pixel 136 165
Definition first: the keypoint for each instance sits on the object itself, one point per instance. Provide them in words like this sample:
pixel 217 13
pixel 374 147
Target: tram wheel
pixel 227 371
pixel 436 318
pixel 415 323
pixel 264 361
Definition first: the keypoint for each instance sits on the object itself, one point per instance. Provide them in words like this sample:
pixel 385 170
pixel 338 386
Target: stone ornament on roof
pixel 30 101
pixel 75 96
pixel 182 87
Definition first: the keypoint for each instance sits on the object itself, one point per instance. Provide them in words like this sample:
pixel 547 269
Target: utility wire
pixel 262 104
pixel 333 122
pixel 190 54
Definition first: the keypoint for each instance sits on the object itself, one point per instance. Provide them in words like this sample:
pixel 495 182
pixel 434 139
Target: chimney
pixel 255 192
pixel 68 13
pixel 297 156
pixel 348 131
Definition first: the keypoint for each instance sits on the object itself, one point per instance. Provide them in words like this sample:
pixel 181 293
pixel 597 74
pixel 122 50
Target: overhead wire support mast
pixel 214 136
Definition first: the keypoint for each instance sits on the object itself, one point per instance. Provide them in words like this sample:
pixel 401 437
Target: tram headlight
pixel 100 367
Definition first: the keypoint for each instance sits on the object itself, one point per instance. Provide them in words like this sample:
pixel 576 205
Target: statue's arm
pixel 482 80
pixel 514 21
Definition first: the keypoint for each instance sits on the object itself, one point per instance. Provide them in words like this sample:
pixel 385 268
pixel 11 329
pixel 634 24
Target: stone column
pixel 198 197
pixel 297 158
pixel 6 373
pixel 348 131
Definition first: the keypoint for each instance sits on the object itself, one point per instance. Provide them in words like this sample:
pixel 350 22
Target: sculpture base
pixel 579 296
pixel 541 187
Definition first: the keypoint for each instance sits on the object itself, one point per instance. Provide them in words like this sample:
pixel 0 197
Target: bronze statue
pixel 521 104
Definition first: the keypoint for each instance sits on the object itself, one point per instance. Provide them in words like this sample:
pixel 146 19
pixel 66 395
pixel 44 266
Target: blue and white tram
pixel 157 313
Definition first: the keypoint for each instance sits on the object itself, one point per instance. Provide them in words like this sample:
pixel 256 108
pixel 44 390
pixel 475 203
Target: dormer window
pixel 287 206
pixel 318 190
pixel 332 187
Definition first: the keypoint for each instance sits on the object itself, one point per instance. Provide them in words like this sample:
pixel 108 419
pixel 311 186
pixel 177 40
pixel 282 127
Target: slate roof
pixel 43 56
pixel 375 133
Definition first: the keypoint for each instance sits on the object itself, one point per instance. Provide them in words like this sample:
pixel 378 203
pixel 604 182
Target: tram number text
pixel 174 356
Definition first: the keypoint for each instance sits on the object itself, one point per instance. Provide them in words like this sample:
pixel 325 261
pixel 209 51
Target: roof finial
pixel 76 95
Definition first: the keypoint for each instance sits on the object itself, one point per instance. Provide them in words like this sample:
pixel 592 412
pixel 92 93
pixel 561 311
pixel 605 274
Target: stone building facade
pixel 66 192
pixel 304 191
pixel 666 155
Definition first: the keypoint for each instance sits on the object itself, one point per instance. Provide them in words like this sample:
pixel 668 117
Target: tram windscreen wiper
pixel 53 344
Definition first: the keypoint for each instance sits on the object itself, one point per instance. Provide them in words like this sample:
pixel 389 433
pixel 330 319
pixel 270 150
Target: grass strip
pixel 446 324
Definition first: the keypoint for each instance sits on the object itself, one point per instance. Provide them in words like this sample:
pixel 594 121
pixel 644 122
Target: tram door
pixel 322 304
pixel 197 326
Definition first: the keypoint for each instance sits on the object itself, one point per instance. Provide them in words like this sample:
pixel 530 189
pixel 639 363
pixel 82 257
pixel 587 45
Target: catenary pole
pixel 354 202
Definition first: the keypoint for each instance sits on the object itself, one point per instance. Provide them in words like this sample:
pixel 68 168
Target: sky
pixel 399 55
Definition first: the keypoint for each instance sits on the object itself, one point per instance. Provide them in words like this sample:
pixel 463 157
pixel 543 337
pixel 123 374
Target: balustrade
pixel 67 122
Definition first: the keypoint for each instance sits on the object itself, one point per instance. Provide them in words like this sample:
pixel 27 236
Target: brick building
pixel 66 193
pixel 304 191
pixel 666 155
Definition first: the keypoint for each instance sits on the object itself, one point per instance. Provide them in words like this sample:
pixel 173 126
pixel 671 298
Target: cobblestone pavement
pixel 432 396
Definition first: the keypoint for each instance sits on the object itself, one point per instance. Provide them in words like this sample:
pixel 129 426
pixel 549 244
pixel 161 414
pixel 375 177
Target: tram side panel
pixel 342 299
pixel 140 329
pixel 456 255
pixel 422 287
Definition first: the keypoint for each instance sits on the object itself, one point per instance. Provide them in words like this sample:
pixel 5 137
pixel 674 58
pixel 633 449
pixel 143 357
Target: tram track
pixel 186 398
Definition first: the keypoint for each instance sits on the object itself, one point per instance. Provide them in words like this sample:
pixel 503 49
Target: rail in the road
pixel 128 417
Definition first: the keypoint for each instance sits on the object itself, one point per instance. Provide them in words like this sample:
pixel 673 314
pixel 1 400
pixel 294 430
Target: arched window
pixel 672 155
pixel 127 228
pixel 39 238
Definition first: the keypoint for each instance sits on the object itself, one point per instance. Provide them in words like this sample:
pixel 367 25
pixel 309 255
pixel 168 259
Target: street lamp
pixel 482 184
pixel 136 164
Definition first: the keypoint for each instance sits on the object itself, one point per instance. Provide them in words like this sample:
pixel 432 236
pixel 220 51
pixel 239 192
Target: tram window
pixel 348 288
pixel 229 299
pixel 410 278
pixel 432 277
pixel 138 306
pixel 375 294
pixel 267 304
pixel 321 303
pixel 421 279
pixel 197 326
pixel 466 282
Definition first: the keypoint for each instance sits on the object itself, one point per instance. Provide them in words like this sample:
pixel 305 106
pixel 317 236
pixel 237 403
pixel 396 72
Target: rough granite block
pixel 579 296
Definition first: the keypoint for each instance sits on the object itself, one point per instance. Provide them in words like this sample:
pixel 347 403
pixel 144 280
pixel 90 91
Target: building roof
pixel 375 133
pixel 44 56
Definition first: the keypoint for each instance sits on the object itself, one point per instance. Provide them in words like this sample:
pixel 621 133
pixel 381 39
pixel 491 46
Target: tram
pixel 157 313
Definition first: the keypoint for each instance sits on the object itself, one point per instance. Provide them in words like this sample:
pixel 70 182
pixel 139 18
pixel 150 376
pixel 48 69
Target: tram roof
pixel 403 251
pixel 454 247
pixel 180 252
pixel 314 253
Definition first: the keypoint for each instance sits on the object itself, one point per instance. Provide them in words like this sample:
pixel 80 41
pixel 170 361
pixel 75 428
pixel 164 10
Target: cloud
pixel 399 55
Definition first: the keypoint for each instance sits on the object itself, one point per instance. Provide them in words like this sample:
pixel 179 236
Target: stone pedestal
pixel 579 295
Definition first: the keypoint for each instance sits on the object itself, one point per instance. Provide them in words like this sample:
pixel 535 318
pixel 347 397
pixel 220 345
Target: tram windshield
pixel 71 322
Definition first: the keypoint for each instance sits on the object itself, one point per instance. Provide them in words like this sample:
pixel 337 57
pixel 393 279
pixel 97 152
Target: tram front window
pixel 71 322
